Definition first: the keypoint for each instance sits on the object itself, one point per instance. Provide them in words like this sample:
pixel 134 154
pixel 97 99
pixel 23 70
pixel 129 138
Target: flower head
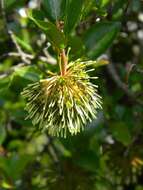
pixel 63 103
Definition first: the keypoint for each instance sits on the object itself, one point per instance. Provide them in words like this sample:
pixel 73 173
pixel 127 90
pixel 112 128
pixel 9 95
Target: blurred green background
pixel 108 155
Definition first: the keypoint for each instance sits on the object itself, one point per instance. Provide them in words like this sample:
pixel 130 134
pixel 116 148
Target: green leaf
pixel 136 6
pixel 6 185
pixel 55 36
pixel 121 133
pixel 54 8
pixel 88 160
pixel 35 14
pixel 105 2
pixel 87 8
pixel 2 134
pixel 4 82
pixel 62 148
pixel 118 9
pixel 9 3
pixel 73 14
pixel 103 184
pixel 101 3
pixel 14 165
pixel 23 44
pixel 28 72
pixel 139 187
pixel 77 47
pixel 99 37
pixel 13 3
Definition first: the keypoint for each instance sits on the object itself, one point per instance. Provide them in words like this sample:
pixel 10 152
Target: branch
pixel 62 53
pixel 53 152
pixel 48 57
pixel 24 57
pixel 27 59
pixel 11 70
pixel 9 54
pixel 113 73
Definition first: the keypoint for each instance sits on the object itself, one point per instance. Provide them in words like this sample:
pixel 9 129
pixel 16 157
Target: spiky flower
pixel 63 103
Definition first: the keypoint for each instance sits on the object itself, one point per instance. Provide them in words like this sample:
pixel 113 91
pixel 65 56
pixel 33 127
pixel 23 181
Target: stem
pixel 64 62
pixel 63 57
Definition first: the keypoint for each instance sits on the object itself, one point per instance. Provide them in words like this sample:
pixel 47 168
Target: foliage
pixel 108 154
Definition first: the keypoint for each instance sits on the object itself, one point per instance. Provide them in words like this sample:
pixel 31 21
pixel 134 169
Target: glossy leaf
pixel 121 133
pixel 118 9
pixel 54 8
pixel 23 44
pixel 101 3
pixel 28 72
pixel 55 36
pixel 73 14
pixel 4 82
pixel 36 14
pixel 77 47
pixel 13 3
pixel 105 2
pixel 100 37
pixel 14 165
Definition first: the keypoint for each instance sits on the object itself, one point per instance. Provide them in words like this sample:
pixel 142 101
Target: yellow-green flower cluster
pixel 63 103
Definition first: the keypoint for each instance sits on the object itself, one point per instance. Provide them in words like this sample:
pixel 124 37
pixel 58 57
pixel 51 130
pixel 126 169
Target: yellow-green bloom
pixel 63 103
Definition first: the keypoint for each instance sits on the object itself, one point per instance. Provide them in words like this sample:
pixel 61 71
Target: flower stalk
pixel 63 57
pixel 64 62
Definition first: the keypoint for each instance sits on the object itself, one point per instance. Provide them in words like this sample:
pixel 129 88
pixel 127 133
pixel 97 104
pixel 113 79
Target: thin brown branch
pixel 27 59
pixel 113 73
